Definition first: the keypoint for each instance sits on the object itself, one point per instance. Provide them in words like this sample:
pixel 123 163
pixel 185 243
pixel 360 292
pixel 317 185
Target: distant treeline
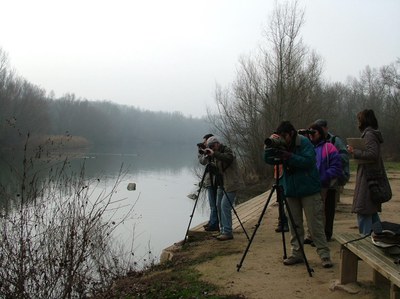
pixel 25 107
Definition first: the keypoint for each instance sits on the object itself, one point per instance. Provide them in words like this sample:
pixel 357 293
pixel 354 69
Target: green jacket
pixel 300 174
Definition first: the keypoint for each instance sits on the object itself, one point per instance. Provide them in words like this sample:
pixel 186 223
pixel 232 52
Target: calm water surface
pixel 161 208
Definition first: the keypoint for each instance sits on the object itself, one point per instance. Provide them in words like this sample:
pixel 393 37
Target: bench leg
pixel 348 266
pixel 379 280
pixel 394 291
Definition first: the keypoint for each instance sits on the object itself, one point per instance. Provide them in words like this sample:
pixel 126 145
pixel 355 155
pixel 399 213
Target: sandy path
pixel 263 275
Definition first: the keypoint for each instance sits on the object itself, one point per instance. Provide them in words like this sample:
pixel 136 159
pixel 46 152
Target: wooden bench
pixel 385 271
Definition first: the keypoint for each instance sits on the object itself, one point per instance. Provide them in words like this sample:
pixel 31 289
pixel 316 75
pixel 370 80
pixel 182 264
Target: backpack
pixel 344 178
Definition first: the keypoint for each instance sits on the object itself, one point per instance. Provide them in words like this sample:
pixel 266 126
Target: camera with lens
pixel 277 143
pixel 276 146
pixel 202 149
pixel 306 131
pixel 201 145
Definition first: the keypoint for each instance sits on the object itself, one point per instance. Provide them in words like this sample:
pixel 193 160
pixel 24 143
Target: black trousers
pixel 330 207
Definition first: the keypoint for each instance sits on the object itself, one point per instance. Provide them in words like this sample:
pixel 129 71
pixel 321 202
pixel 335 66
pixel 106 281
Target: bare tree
pixel 281 82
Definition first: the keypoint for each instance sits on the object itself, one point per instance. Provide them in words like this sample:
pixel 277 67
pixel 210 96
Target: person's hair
pixel 207 136
pixel 366 118
pixel 320 130
pixel 285 127
pixel 321 122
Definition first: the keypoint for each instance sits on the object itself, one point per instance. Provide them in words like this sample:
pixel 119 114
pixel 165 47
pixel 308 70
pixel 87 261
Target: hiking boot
pixel 326 262
pixel 224 237
pixel 291 260
pixel 278 229
pixel 211 229
pixel 309 241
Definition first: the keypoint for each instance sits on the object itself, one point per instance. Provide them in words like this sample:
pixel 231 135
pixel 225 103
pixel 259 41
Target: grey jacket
pixel 228 168
pixel 372 158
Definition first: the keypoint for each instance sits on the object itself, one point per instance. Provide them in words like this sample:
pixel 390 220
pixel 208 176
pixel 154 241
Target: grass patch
pixel 179 283
pixel 174 279
pixel 392 166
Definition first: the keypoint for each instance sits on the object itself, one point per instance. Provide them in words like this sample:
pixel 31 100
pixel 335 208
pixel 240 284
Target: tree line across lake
pixel 25 107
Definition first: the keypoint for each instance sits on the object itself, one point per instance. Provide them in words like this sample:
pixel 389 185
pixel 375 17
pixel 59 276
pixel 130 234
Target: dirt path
pixel 263 275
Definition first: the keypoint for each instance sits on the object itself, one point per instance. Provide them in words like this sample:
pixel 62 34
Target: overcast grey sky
pixel 168 55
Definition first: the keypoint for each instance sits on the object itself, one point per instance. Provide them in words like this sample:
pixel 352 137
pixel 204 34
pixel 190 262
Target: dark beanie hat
pixel 321 122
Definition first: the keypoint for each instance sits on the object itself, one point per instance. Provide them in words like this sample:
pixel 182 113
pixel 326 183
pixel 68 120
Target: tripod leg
pixel 255 229
pixel 294 228
pixel 195 204
pixel 282 217
pixel 236 214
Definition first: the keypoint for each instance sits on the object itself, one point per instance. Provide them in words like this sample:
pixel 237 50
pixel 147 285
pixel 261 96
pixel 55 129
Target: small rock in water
pixel 192 196
pixel 131 186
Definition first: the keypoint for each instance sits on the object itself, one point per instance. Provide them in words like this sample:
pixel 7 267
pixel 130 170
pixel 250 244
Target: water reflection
pixel 164 177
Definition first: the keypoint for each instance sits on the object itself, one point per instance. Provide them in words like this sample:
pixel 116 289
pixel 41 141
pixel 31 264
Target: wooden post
pixel 394 291
pixel 348 266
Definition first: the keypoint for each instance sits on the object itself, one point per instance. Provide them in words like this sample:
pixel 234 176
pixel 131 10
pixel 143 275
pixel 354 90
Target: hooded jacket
pixel 372 159
pixel 329 163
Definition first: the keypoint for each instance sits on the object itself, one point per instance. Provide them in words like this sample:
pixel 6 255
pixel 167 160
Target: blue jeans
pixel 212 200
pixel 225 201
pixel 365 222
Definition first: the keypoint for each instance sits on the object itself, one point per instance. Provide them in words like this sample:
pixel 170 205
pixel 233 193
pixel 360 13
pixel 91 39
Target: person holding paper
pixel 370 154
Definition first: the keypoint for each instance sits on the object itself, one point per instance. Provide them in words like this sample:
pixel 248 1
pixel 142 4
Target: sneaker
pixel 224 237
pixel 216 235
pixel 326 262
pixel 278 229
pixel 291 260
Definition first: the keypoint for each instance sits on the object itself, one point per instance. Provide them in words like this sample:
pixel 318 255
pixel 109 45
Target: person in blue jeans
pixel 228 182
pixel 209 184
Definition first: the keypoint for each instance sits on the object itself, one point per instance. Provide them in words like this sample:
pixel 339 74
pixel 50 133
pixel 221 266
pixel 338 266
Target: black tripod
pixel 206 170
pixel 281 202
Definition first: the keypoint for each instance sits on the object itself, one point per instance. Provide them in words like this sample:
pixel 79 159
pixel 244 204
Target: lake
pixel 161 209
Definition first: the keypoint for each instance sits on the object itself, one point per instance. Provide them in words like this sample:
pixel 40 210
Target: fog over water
pixel 169 55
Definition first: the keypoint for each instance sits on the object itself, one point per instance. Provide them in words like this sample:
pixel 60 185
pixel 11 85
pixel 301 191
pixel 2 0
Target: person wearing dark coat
pixel 368 157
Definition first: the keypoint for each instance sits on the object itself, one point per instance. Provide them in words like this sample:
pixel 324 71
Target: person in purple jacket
pixel 329 165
